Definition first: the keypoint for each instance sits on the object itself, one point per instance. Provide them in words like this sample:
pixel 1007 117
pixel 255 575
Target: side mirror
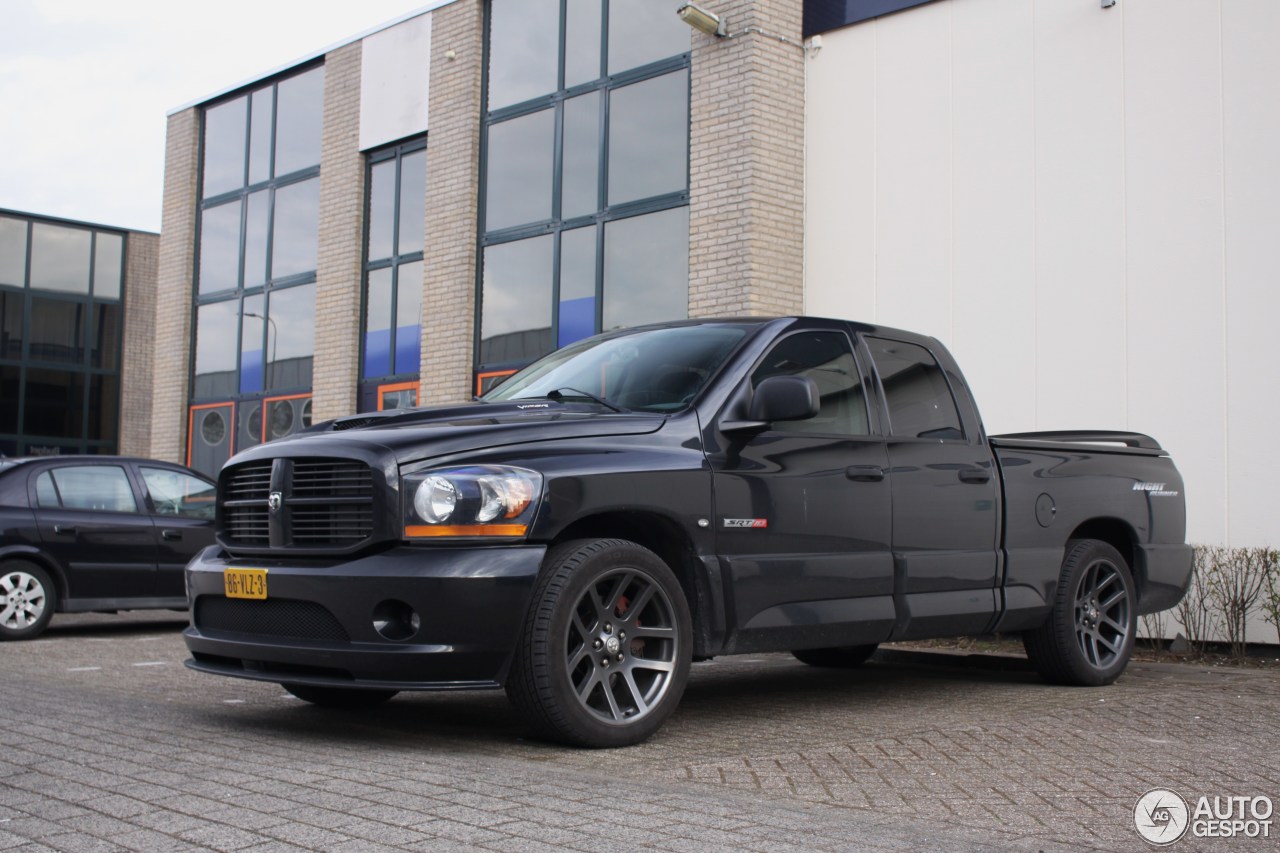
pixel 785 398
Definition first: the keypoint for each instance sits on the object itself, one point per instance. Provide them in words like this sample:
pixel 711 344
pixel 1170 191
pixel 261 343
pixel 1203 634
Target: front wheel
pixel 344 698
pixel 605 652
pixel 26 600
pixel 1089 635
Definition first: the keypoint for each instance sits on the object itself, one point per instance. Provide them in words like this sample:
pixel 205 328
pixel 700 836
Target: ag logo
pixel 1161 816
pixel 274 501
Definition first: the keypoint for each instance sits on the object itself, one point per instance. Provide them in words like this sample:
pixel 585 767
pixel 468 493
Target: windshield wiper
pixel 557 394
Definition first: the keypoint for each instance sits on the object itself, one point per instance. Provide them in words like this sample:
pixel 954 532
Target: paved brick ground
pixel 109 744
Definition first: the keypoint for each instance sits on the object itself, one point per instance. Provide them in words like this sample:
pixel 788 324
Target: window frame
pixel 269 285
pixel 555 225
pixel 83 367
pixel 395 152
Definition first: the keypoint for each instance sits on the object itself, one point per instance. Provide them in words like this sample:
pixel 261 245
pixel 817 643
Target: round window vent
pixel 213 428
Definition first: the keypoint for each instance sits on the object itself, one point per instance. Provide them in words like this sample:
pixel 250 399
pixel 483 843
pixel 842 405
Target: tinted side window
pixel 175 493
pixel 827 359
pixel 99 487
pixel 916 391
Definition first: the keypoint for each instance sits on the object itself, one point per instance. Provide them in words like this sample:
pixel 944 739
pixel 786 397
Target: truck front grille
pixel 323 504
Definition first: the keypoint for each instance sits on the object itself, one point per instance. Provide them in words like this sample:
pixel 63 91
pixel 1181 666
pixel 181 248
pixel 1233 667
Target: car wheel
pixel 1089 635
pixel 837 657
pixel 605 650
pixel 26 600
pixel 346 698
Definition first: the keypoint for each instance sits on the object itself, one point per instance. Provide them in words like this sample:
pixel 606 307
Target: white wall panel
pixel 1084 204
pixel 993 149
pixel 1080 228
pixel 1251 128
pixel 840 198
pixel 913 160
pixel 1173 144
pixel 395 76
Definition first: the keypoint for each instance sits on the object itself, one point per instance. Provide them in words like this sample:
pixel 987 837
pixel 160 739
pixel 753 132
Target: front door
pixel 182 510
pixel 802 511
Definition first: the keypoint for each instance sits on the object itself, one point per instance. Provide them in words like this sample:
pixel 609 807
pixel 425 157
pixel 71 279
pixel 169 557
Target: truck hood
pixel 411 435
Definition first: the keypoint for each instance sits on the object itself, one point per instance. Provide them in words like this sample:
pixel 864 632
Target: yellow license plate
pixel 245 583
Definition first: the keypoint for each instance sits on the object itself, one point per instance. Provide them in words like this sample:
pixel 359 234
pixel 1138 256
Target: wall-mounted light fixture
pixel 701 19
pixel 1107 4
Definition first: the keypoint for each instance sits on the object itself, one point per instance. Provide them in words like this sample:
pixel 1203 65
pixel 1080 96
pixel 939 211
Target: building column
pixel 746 163
pixel 175 280
pixel 335 373
pixel 142 253
pixel 453 185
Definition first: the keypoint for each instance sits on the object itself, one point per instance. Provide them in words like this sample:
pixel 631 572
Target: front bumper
pixel 317 625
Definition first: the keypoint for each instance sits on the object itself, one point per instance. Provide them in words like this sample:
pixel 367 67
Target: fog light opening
pixel 395 620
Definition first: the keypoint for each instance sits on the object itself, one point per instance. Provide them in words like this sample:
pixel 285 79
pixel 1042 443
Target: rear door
pixel 182 508
pixel 92 523
pixel 802 509
pixel 945 522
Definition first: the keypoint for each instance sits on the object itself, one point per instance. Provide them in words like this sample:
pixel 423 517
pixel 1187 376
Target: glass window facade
pixel 255 283
pixel 586 175
pixel 393 279
pixel 61 331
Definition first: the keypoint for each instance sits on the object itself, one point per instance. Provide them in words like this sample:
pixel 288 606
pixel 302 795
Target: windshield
pixel 649 370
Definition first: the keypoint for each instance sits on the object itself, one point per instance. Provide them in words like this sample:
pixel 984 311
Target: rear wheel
pixel 1089 635
pixel 605 652
pixel 346 698
pixel 836 657
pixel 26 600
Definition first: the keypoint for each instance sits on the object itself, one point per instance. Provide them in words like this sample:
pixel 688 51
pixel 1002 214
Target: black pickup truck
pixel 657 495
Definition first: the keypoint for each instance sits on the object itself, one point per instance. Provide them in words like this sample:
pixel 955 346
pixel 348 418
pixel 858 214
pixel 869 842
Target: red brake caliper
pixel 637 644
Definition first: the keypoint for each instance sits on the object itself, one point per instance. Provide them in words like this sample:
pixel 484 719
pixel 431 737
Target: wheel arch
pixel 1120 535
pixel 665 537
pixel 33 555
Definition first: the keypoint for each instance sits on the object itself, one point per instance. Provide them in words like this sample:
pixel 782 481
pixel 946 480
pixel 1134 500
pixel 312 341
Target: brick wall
pixel 337 358
pixel 746 169
pixel 453 184
pixel 137 366
pixel 175 270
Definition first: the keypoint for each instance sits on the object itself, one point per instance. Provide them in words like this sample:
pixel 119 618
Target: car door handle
pixel 864 473
pixel 67 529
pixel 974 475
pixel 171 535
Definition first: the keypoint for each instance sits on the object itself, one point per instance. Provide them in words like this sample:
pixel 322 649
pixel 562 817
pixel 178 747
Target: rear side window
pixel 827 359
pixel 916 391
pixel 96 487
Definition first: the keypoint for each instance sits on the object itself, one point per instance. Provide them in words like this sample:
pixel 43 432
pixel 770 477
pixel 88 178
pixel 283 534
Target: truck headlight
pixel 478 500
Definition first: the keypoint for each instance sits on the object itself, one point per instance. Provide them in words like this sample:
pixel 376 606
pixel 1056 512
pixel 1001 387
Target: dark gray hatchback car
pixel 96 533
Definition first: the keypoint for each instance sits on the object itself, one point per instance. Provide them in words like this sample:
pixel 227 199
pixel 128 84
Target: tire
pixel 605 651
pixel 27 600
pixel 344 698
pixel 1089 635
pixel 837 657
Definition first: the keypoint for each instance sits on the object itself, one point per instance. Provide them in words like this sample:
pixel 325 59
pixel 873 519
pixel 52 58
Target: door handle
pixel 67 529
pixel 171 535
pixel 864 473
pixel 974 475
